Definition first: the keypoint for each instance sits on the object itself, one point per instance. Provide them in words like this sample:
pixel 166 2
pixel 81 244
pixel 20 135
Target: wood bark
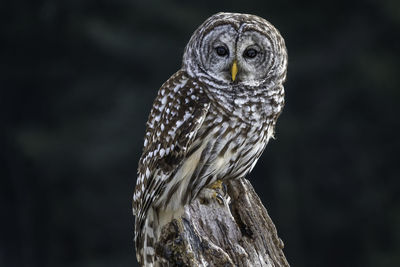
pixel 233 230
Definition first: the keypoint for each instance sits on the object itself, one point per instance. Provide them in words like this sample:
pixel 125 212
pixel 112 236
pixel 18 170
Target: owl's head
pixel 232 48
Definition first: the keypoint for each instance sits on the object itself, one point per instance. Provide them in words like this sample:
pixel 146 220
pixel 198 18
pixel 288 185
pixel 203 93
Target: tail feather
pixel 145 240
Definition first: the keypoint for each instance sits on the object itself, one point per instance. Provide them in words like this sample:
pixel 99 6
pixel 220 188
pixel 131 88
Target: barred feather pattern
pixel 202 129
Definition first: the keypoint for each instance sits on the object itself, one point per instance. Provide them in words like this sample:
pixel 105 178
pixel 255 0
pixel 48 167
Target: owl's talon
pixel 224 189
pixel 220 188
pixel 216 191
pixel 220 199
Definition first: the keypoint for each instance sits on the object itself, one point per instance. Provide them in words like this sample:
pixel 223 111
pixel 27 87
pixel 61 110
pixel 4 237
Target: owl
pixel 210 121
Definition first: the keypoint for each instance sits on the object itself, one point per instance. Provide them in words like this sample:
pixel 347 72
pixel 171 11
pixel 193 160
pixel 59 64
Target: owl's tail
pixel 145 239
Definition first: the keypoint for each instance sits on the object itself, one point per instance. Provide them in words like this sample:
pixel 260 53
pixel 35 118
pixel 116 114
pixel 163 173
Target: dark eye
pixel 221 51
pixel 250 53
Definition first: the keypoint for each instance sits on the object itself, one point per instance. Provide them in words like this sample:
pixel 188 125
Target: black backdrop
pixel 77 81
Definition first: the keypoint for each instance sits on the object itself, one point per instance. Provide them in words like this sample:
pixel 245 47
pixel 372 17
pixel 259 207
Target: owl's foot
pixel 216 191
pixel 207 194
pixel 217 185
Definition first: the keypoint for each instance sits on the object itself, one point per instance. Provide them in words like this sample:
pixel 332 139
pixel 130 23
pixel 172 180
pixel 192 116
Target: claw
pixel 224 189
pixel 219 198
pixel 216 191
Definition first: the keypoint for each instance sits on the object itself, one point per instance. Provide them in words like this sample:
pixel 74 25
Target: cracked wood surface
pixel 234 231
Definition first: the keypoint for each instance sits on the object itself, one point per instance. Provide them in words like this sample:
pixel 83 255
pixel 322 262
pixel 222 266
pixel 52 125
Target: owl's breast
pixel 234 144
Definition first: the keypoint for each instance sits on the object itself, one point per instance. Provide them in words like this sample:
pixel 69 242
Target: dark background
pixel 77 82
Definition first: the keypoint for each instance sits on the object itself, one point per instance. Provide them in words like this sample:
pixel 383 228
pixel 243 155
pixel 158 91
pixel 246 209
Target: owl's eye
pixel 250 53
pixel 221 51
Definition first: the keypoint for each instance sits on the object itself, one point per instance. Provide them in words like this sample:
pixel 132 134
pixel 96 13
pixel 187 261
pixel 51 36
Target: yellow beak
pixel 234 70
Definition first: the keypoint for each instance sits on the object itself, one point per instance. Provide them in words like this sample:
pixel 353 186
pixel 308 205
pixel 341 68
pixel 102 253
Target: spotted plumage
pixel 210 121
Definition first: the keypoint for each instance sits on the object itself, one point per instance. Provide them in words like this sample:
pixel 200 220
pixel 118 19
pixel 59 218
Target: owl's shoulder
pixel 178 111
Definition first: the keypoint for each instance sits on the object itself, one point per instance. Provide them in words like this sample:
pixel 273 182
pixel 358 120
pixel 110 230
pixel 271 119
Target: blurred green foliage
pixel 77 82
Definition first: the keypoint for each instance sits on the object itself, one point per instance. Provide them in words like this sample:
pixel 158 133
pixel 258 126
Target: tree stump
pixel 235 230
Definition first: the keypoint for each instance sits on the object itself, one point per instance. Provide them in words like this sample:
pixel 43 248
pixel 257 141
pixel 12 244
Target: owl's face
pixel 233 57
pixel 236 49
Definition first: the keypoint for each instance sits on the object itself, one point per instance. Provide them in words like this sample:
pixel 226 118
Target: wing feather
pixel 178 112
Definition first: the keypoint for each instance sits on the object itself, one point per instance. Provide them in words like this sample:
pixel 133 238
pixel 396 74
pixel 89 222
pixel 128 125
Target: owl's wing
pixel 177 114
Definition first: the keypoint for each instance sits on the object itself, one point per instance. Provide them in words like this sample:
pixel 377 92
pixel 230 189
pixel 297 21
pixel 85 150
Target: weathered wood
pixel 234 231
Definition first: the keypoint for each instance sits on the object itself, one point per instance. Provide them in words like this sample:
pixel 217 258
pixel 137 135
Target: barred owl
pixel 210 121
